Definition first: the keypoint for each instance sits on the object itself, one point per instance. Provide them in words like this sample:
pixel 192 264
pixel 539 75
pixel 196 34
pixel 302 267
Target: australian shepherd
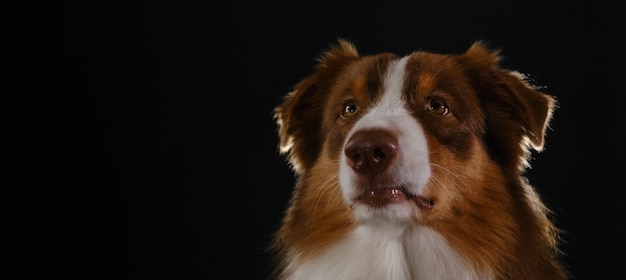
pixel 412 167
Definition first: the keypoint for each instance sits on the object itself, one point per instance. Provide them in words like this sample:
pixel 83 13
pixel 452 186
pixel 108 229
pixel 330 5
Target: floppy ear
pixel 516 112
pixel 299 116
pixel 535 108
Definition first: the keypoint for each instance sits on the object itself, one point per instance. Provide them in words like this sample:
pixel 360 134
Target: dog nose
pixel 371 151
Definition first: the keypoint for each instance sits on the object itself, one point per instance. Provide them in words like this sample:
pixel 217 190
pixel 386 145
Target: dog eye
pixel 439 107
pixel 349 108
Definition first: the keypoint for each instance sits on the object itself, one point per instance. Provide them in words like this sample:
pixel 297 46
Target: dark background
pixel 140 142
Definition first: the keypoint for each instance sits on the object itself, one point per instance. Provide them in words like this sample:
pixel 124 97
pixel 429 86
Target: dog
pixel 412 167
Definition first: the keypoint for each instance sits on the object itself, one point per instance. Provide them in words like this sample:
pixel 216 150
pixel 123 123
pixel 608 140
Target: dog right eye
pixel 349 109
pixel 439 107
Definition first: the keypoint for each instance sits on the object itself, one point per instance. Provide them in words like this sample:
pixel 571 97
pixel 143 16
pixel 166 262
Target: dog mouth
pixel 379 197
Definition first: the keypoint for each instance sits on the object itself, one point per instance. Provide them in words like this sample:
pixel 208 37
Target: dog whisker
pixel 325 187
pixel 440 167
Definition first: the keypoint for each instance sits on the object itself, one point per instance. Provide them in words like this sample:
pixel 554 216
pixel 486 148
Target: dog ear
pixel 299 116
pixel 516 112
pixel 535 108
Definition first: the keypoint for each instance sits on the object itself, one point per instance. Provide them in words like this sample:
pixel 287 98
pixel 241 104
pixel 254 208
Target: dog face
pixel 413 136
pixel 424 151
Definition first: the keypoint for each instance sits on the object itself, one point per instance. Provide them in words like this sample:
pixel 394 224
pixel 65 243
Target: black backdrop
pixel 141 145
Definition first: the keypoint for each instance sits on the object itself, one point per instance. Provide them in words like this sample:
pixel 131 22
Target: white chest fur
pixel 397 253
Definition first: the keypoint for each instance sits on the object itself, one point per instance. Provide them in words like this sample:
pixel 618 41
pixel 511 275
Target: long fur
pixel 456 131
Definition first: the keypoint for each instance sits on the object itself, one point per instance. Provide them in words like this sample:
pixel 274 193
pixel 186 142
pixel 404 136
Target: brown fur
pixel 484 207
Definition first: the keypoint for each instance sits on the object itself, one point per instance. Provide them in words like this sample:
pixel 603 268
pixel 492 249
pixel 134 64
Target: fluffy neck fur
pixel 386 252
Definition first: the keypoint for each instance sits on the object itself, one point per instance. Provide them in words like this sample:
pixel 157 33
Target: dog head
pixel 411 137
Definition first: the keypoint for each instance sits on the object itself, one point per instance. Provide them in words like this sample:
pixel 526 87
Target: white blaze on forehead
pixel 393 83
pixel 391 99
pixel 389 113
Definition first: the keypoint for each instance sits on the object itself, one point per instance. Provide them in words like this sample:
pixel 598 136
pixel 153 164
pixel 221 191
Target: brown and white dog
pixel 413 168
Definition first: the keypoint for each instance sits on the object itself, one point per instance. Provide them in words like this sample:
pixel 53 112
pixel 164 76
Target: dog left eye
pixel 439 107
pixel 349 108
